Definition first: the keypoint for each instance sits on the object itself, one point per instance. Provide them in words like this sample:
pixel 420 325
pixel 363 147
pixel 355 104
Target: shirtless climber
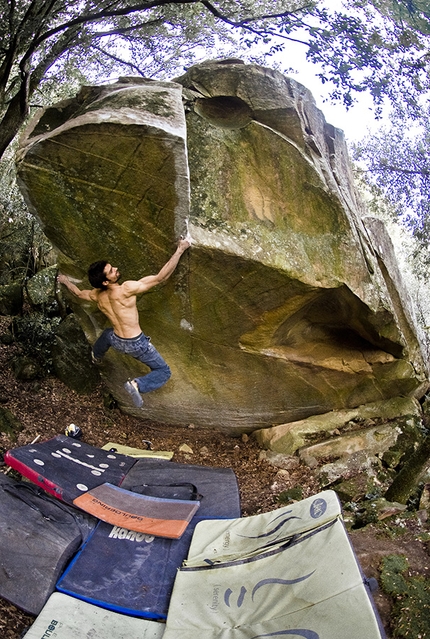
pixel 118 303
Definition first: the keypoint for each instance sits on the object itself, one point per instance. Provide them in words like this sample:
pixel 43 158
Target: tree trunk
pixel 406 481
pixel 11 123
pixel 18 109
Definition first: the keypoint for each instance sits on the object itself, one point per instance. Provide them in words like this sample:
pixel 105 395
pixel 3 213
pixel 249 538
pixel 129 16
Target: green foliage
pixel 24 249
pixel 416 13
pixel 397 166
pixel 411 594
pixel 376 47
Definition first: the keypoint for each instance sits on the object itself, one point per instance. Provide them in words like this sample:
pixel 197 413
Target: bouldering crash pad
pixel 113 447
pixel 126 571
pixel 290 572
pixel 134 573
pixel 66 468
pixel 65 617
pixel 38 536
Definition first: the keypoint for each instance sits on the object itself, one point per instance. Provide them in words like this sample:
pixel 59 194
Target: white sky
pixel 355 122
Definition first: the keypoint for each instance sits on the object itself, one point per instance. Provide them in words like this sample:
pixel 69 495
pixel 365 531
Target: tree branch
pixel 117 59
pixel 125 30
pixel 145 6
pixel 94 17
pixel 243 23
pixel 398 169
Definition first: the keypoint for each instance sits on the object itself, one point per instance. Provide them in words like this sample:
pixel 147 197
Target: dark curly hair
pixel 96 274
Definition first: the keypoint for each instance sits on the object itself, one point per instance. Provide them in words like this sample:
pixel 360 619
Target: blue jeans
pixel 140 348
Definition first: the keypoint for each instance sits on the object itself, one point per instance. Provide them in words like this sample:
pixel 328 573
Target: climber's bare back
pixel 121 309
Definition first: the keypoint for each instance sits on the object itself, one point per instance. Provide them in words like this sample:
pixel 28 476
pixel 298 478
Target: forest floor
pixel 46 407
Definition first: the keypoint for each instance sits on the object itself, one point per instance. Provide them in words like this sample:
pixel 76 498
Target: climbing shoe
pixel 131 388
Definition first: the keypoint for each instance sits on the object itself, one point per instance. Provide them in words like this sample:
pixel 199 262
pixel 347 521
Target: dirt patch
pixel 46 407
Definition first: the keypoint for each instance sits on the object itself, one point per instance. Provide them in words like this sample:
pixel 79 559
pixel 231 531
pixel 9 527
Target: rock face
pixel 71 355
pixel 286 306
pixel 40 288
pixel 10 299
pixel 343 432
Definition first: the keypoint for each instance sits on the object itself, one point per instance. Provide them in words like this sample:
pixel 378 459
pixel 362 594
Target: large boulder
pixel 283 307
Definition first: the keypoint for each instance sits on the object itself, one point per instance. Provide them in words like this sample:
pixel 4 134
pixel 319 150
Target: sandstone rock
pixel 282 308
pixel 372 440
pixel 286 462
pixel 425 499
pixel 184 448
pixel 309 461
pixel 353 489
pixel 288 438
pixel 292 494
pixel 349 467
pixel 121 183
